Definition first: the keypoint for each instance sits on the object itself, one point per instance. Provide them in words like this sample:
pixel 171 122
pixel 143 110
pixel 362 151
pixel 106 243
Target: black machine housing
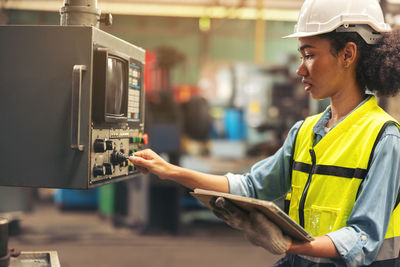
pixel 72 103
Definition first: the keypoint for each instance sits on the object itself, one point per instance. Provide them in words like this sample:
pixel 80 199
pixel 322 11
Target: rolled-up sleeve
pixel 269 178
pixel 359 242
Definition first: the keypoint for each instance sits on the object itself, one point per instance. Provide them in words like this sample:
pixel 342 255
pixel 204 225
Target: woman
pixel 341 166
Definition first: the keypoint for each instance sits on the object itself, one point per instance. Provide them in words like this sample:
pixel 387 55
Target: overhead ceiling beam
pixel 167 10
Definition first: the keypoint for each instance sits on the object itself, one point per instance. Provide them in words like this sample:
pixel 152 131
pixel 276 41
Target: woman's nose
pixel 301 70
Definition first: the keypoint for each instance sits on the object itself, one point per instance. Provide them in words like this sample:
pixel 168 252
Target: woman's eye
pixel 306 57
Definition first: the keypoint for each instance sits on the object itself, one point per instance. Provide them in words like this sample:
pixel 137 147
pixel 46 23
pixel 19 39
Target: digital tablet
pixel 268 208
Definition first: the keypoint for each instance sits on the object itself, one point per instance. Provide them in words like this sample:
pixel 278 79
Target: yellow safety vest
pixel 326 177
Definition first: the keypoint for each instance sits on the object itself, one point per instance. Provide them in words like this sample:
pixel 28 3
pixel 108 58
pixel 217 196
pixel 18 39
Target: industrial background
pixel 221 94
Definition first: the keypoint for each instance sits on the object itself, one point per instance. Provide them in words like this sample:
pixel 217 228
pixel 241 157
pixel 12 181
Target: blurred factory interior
pixel 221 94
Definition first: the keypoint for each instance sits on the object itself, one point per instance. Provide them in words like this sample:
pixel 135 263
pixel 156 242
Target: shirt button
pixel 363 237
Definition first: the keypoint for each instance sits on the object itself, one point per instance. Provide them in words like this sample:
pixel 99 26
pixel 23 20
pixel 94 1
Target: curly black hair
pixel 378 69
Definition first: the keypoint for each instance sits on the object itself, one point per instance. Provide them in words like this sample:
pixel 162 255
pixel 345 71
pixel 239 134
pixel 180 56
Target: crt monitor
pixel 116 88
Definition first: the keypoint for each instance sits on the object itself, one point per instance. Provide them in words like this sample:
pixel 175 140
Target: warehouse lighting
pixel 204 24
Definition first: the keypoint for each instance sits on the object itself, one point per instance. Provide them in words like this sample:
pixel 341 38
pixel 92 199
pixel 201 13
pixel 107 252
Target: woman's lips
pixel 307 85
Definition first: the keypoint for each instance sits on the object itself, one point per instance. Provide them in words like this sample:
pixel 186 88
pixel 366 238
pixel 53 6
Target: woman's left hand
pixel 257 228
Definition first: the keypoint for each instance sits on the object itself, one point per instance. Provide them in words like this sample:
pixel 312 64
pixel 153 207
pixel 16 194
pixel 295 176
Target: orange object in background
pixel 183 93
pixel 145 139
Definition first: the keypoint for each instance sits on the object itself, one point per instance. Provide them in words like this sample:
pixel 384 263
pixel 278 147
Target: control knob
pixel 109 168
pixel 99 170
pixel 110 145
pixel 118 158
pixel 99 146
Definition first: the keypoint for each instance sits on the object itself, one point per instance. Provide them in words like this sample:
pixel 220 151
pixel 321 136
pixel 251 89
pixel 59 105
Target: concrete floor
pixel 82 238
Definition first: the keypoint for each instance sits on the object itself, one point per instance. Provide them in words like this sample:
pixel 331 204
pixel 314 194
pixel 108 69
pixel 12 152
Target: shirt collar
pixel 326 116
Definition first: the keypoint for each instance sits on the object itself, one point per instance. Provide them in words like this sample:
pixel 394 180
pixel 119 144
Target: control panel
pixel 134 97
pixel 118 116
pixel 110 151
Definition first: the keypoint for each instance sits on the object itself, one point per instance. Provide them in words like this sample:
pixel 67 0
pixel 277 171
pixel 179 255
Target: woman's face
pixel 321 71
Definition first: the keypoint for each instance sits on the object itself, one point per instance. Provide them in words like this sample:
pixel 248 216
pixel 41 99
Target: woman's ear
pixel 350 54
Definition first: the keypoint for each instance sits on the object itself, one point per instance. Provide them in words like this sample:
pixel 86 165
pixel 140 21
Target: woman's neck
pixel 343 103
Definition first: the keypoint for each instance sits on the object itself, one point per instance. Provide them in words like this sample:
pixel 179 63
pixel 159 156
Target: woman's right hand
pixel 149 161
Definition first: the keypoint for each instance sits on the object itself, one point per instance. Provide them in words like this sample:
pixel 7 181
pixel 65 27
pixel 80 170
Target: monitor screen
pixel 116 87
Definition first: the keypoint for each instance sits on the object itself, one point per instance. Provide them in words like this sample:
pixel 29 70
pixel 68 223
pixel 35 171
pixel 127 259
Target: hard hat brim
pixel 384 28
pixel 302 34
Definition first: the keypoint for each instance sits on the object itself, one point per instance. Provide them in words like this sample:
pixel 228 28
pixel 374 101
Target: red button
pixel 145 139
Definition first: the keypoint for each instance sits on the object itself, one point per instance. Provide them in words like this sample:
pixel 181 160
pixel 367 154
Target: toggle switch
pixel 124 163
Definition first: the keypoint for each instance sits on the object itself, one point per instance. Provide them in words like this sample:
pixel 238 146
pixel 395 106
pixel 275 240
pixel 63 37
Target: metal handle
pixel 77 74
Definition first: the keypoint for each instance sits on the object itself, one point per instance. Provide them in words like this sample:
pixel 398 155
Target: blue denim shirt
pixel 358 243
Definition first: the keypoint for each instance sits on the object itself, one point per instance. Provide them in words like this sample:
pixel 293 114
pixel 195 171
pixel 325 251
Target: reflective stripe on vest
pixel 326 177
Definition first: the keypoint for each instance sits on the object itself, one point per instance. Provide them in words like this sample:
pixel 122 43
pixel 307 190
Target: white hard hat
pixel 322 16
